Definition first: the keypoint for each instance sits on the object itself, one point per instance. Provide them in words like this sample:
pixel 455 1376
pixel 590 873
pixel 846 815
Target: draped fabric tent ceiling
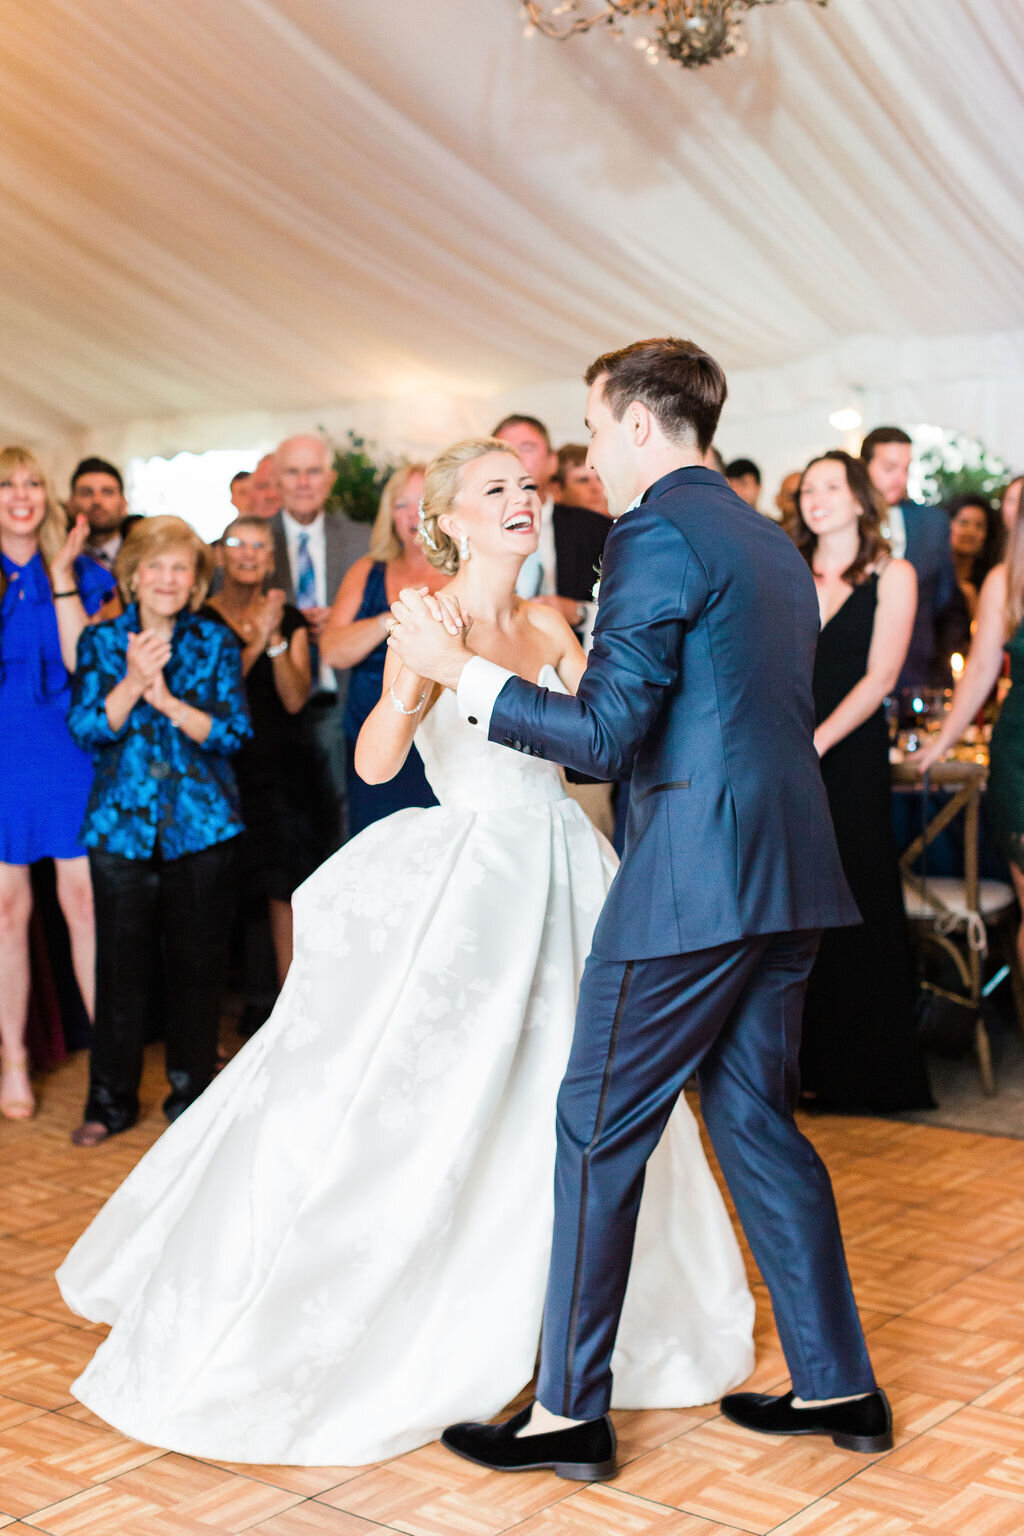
pixel 224 214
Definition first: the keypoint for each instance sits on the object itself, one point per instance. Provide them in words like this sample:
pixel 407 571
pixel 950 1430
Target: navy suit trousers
pixel 732 1014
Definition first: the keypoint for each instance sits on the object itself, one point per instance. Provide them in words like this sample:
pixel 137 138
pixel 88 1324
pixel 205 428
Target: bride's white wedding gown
pixel 342 1246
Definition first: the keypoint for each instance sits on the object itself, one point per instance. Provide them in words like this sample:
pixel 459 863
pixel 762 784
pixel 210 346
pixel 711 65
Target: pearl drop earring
pixel 464 548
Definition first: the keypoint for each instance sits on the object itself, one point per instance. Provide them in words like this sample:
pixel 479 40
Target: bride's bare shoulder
pixel 547 621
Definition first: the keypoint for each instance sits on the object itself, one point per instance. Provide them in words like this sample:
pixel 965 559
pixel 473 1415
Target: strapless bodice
pixel 465 769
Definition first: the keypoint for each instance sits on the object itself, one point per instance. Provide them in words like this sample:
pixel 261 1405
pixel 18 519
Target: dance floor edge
pixel 934 1224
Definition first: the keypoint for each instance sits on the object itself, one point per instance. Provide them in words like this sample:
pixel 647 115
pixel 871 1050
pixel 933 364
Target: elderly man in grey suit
pixel 312 552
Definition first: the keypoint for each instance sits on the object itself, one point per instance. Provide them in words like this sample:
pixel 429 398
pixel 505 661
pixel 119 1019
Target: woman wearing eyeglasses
pixel 275 768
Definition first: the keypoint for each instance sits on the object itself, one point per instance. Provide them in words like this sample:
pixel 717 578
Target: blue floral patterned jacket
pixel 154 788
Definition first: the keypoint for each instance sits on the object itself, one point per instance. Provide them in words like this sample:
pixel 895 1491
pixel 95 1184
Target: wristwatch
pixel 276 650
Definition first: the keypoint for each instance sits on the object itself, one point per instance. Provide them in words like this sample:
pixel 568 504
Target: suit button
pixel 159 771
pixel 472 719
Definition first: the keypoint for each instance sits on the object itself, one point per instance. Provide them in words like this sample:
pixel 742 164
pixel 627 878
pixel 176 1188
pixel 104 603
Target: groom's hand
pixel 429 637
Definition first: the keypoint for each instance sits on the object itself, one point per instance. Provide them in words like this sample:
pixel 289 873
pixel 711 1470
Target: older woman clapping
pixel 158 700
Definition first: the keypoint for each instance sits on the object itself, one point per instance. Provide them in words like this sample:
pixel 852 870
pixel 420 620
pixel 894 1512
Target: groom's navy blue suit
pixel 699 682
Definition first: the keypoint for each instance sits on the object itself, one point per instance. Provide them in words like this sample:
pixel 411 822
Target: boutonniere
pixel 595 595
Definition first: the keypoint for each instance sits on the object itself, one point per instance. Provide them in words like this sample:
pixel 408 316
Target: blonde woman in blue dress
pixel 342 1245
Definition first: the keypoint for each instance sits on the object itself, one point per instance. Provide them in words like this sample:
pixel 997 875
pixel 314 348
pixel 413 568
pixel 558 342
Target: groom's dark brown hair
pixel 681 385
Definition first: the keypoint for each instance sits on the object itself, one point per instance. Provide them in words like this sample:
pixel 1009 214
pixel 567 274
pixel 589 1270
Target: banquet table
pixel 952 913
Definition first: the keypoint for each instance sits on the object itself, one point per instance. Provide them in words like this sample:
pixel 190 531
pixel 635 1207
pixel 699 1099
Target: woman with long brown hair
pixel 999 626
pixel 49 591
pixel 859 1049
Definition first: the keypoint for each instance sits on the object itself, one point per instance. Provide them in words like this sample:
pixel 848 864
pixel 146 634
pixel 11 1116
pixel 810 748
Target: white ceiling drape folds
pixel 223 217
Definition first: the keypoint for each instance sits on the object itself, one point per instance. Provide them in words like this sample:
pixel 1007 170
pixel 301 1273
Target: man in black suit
pixel 312 552
pixel 571 537
pixel 921 535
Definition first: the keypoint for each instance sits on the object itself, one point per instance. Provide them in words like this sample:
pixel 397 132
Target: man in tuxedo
pixel 97 490
pixel 700 677
pixel 312 552
pixel 564 570
pixel 921 535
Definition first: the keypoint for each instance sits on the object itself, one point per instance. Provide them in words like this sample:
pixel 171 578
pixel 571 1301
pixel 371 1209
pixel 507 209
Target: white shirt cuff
pixel 479 686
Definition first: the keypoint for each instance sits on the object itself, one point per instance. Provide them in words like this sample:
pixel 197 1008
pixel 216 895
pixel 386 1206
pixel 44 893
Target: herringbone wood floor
pixel 934 1221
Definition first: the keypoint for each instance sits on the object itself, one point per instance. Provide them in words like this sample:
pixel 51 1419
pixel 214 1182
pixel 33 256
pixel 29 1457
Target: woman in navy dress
pixel 48 592
pixel 159 702
pixel 355 636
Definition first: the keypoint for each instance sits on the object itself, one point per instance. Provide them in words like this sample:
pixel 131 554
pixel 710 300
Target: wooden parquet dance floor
pixel 934 1221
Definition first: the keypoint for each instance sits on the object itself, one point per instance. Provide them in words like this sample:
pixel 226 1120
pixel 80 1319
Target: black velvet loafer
pixel 865 1424
pixel 585 1453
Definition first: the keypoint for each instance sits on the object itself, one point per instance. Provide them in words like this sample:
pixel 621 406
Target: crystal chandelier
pixel 689 32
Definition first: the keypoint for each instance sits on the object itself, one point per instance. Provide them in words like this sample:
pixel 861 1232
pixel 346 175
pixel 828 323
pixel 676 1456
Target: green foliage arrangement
pixel 954 464
pixel 359 479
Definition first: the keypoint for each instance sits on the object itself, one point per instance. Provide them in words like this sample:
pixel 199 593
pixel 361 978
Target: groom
pixel 699 682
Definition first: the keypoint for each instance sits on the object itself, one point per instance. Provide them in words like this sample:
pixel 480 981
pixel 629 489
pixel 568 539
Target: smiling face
pixel 968 531
pixel 583 488
pixel 162 585
pixel 306 476
pixel 827 504
pixel 22 501
pixel 247 554
pixel 611 452
pixel 263 491
pixel 405 513
pixel 497 508
pixel 101 499
pixel 888 469
pixel 539 459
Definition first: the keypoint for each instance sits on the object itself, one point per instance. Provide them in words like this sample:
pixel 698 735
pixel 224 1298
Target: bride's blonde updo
pixel 440 488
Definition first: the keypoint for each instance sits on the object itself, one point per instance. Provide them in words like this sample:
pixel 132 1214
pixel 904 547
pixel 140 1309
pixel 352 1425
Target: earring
pixel 464 548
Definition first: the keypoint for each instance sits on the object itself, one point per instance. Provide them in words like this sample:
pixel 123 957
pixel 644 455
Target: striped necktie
pixel 305 586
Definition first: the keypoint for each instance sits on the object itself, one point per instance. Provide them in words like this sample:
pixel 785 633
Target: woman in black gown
pixel 276 775
pixel 859 1047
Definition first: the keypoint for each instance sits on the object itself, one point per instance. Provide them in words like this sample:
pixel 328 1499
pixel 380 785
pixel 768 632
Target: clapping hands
pixel 148 654
pixel 63 567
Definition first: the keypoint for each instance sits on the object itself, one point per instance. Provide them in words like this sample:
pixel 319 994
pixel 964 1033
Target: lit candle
pixel 956 662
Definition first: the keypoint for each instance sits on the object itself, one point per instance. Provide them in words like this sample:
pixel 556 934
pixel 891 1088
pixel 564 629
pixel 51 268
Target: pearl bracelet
pixel 397 704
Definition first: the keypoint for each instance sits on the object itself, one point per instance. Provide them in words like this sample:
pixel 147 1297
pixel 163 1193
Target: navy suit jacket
pixel 699 681
pixel 940 605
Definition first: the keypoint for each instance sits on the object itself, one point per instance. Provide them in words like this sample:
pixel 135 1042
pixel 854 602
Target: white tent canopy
pixel 228 218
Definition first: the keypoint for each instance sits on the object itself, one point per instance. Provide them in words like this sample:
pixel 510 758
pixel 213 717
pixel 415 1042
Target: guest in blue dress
pixel 48 591
pixel 355 636
pixel 160 704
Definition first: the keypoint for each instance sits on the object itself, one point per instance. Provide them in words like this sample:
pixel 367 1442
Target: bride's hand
pixel 447 611
pixel 431 647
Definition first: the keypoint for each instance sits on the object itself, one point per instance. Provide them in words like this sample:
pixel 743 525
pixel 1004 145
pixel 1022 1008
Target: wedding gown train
pixel 342 1246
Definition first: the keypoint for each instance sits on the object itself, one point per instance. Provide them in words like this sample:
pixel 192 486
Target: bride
pixel 342 1246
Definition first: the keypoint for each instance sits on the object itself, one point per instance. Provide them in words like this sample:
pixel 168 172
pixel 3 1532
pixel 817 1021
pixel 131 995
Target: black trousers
pixel 171 913
pixel 732 1013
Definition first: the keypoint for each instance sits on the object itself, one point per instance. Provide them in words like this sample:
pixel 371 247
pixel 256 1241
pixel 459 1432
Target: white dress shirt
pixel 538 576
pixel 317 551
pixel 326 682
pixel 896 524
